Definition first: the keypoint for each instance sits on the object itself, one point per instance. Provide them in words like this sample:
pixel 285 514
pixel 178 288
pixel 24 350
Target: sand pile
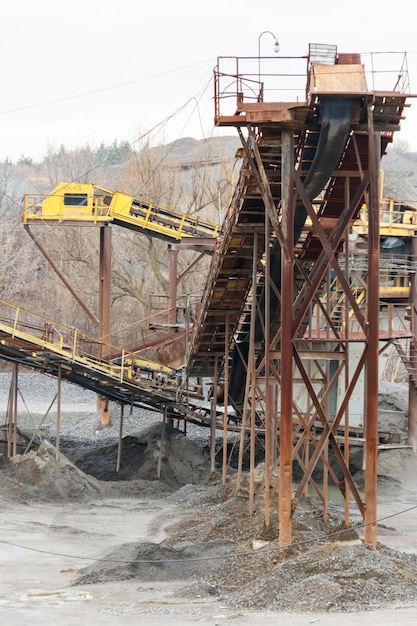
pixel 40 475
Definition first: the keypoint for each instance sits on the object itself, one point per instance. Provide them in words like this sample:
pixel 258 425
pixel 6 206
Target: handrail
pixel 72 343
pixel 243 79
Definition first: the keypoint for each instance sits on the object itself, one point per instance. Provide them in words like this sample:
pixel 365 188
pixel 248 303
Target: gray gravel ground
pixel 331 578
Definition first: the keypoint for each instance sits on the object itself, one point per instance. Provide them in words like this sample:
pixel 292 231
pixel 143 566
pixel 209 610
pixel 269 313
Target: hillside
pixel 194 176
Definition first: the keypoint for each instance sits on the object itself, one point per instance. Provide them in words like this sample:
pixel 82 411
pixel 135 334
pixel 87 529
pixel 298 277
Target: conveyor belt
pixel 88 205
pixel 229 285
pixel 332 139
pixel 46 345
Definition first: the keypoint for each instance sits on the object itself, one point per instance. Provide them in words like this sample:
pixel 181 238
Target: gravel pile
pixel 314 575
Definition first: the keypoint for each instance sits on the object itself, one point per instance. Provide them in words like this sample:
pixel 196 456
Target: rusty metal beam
pixel 58 412
pixel 104 309
pixel 270 410
pixel 226 395
pixel 62 277
pixel 250 373
pixel 412 399
pixel 287 280
pixel 172 284
pixel 11 417
pixel 311 285
pixel 119 443
pixel 213 406
pixel 372 378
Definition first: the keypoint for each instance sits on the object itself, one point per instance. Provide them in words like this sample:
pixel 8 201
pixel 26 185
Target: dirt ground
pixel 77 549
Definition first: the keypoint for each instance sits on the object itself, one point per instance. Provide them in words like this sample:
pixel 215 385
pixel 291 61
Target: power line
pixel 219 557
pixel 103 89
pixel 157 127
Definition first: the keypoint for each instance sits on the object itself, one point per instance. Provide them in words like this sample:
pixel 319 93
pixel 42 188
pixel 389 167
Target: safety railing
pixel 239 80
pixel 73 345
pixel 387 71
pixel 393 214
pixel 392 287
pixel 337 306
pixel 88 209
pixel 166 221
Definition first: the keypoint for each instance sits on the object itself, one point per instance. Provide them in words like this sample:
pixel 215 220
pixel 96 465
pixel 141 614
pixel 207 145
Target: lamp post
pixel 276 49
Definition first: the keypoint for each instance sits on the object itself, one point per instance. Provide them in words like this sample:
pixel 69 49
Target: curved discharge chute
pixel 334 133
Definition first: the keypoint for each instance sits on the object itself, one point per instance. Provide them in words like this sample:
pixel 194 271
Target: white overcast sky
pixel 86 71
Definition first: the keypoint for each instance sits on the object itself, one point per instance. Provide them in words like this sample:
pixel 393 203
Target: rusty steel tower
pixel 281 315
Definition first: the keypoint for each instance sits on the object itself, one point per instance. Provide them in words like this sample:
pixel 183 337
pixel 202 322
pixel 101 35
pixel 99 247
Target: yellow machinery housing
pixel 89 205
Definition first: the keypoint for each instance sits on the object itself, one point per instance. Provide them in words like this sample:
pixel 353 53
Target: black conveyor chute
pixel 336 116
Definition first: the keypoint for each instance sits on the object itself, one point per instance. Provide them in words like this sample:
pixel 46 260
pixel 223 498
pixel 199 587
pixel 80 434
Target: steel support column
pixel 270 411
pixel 104 308
pixel 226 396
pixel 250 374
pixel 213 415
pixel 172 284
pixel 11 419
pixel 287 273
pixel 58 412
pixel 412 393
pixel 119 444
pixel 371 390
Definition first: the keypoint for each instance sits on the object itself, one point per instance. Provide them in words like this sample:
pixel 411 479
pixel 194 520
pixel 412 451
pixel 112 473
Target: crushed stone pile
pixel 152 562
pixel 222 551
pixel 90 471
pixel 323 577
pixel 180 460
pixel 40 475
pixel 326 568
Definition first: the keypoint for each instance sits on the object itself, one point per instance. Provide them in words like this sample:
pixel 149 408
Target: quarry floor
pixel 37 586
pixel 68 542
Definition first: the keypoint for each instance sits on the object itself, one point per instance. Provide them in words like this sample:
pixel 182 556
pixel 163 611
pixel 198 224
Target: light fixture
pixel 276 49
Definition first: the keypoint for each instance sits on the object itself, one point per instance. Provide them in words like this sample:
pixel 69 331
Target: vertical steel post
pixel 287 273
pixel 251 367
pixel 9 421
pixel 105 288
pixel 213 406
pixel 119 445
pixel 412 385
pixel 15 388
pixel 161 444
pixel 104 308
pixel 226 397
pixel 371 400
pixel 172 284
pixel 12 413
pixel 251 375
pixel 346 321
pixel 270 421
pixel 58 414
